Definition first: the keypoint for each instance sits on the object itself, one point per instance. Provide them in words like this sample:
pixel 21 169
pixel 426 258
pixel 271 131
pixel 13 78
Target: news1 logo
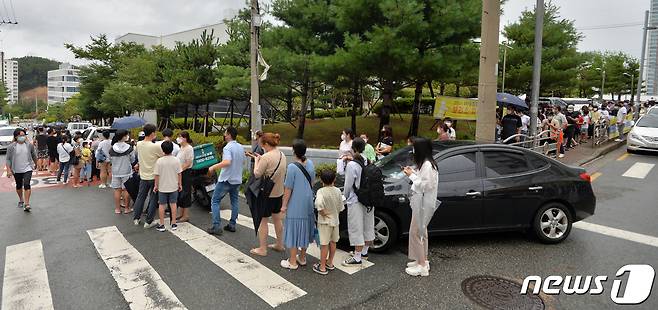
pixel 638 285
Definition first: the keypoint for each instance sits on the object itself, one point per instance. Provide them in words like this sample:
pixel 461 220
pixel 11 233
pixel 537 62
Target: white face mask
pixel 179 140
pixel 342 137
pixel 449 124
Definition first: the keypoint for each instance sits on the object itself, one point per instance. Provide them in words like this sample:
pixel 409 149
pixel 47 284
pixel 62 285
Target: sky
pixel 45 25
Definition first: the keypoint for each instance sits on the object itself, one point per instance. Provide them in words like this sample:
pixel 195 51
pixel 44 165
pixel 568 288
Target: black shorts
pixel 52 156
pixel 43 154
pixel 23 180
pixel 272 206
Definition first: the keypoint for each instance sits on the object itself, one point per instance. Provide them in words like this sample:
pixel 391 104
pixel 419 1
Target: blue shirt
pixel 232 173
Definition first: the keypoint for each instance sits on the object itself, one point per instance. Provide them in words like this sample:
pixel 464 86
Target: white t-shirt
pixel 186 154
pixel 167 169
pixel 621 115
pixel 345 149
pixel 525 122
pixel 452 134
pixel 64 150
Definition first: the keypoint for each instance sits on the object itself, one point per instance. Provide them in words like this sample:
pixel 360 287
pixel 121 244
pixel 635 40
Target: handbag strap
pixel 277 165
pixel 308 177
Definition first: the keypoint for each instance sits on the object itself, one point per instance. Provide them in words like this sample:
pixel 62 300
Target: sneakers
pixel 417 271
pixel 102 186
pixel 351 262
pixel 213 231
pixel 150 225
pixel 20 204
pixel 363 256
pixel 230 228
pixel 414 264
pixel 174 226
pixel 560 156
pixel 136 222
pixel 160 228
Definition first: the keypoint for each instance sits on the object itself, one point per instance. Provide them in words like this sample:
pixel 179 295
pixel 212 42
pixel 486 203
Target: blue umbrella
pixel 128 122
pixel 509 99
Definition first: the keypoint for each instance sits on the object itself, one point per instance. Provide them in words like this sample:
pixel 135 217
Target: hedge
pixel 335 112
pixel 405 105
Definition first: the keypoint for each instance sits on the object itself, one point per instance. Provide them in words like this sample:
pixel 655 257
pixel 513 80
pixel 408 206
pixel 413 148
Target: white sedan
pixel 644 135
pixel 6 137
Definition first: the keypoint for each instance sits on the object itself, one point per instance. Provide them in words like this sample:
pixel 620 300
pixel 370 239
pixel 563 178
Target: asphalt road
pixel 78 277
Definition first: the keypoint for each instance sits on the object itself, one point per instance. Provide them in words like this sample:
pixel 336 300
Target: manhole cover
pixel 498 293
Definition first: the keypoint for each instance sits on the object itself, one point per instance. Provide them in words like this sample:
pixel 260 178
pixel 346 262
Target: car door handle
pixel 473 194
pixel 535 188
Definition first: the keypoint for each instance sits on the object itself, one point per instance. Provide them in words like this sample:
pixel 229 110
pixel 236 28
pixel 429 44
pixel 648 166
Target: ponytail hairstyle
pixel 271 139
pixel 186 135
pixel 299 148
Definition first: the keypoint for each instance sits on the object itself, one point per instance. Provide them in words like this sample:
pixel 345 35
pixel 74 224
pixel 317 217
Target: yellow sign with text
pixel 455 108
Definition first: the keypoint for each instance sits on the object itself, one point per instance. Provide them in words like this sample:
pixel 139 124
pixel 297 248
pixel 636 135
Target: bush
pixel 405 105
pixel 322 167
pixel 335 112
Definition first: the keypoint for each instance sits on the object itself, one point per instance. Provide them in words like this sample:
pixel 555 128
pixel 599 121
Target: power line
pixel 611 26
pixel 13 12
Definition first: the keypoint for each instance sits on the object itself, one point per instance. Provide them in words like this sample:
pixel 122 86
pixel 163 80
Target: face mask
pixel 342 137
pixel 179 140
pixel 79 141
pixel 449 124
pixel 21 139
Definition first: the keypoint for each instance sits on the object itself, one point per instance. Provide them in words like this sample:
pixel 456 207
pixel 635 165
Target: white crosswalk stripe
pixel 638 170
pixel 268 285
pixel 25 284
pixel 140 284
pixel 312 250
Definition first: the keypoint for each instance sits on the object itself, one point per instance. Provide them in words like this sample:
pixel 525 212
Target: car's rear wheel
pixel 386 232
pixel 552 223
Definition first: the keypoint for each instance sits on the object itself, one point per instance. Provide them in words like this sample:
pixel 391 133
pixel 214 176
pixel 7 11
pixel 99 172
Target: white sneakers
pixel 560 156
pixel 414 264
pixel 151 225
pixel 102 186
pixel 417 270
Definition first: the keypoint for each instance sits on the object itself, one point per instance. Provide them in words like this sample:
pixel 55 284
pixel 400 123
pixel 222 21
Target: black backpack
pixel 371 188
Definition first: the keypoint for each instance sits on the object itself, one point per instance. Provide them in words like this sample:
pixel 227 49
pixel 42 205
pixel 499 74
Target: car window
pixel 650 121
pixel 390 164
pixel 7 132
pixel 504 163
pixel 457 168
pixel 537 161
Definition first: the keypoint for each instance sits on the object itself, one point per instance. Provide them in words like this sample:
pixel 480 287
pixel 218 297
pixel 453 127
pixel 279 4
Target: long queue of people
pixel 278 190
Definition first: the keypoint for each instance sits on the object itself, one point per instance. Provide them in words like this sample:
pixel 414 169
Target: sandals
pixel 127 211
pixel 255 252
pixel 300 262
pixel 316 269
pixel 286 264
pixel 275 248
pixel 117 211
pixel 26 208
pixel 330 268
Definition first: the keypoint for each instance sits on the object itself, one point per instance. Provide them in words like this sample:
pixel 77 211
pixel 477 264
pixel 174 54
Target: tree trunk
pixel 302 111
pixel 355 104
pixel 311 103
pixel 632 96
pixel 415 110
pixel 289 104
pixel 442 88
pixel 186 114
pixel 457 89
pixel 387 105
pixel 619 96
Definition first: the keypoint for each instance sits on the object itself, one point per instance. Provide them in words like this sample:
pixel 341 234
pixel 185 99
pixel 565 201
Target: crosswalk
pixel 26 285
pixel 638 170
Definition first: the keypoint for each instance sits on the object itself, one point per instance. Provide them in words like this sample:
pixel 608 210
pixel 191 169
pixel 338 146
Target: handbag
pixel 264 185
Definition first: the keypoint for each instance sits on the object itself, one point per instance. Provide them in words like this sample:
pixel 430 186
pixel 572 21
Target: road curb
pixel 600 152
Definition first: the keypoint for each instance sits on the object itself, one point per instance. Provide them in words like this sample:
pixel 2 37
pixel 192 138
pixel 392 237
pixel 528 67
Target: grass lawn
pixel 325 133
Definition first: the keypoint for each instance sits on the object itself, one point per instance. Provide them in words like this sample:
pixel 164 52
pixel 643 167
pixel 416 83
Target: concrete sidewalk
pixel 584 153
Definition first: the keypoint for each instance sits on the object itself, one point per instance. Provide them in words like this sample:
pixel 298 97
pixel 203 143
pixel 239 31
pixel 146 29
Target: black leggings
pixel 23 180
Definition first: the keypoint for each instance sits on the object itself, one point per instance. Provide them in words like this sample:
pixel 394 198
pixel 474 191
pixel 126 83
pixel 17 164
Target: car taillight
pixel 586 177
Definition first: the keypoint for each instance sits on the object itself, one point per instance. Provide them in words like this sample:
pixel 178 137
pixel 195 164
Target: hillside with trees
pixel 33 71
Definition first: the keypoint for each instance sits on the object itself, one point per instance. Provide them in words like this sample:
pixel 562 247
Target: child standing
pixel 329 203
pixel 167 172
pixel 85 161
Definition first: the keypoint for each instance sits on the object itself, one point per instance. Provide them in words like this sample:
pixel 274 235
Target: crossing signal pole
pixel 255 120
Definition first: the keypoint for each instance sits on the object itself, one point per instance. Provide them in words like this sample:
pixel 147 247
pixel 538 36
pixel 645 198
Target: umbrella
pixel 255 201
pixel 128 122
pixel 509 99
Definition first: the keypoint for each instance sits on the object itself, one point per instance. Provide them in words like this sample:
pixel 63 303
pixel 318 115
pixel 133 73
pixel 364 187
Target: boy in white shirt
pixel 167 172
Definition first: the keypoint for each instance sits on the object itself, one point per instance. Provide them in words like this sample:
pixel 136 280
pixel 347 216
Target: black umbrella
pixel 256 204
pixel 509 99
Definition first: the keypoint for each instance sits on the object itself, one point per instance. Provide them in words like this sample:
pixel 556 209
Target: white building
pixel 169 40
pixel 652 52
pixel 63 83
pixel 10 78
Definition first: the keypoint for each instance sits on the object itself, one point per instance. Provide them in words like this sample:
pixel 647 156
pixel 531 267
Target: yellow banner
pixel 455 108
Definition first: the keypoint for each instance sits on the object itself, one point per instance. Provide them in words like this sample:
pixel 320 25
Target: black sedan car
pixel 486 188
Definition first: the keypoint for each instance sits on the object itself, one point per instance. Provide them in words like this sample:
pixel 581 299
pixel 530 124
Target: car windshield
pixel 650 121
pixel 6 131
pixel 653 111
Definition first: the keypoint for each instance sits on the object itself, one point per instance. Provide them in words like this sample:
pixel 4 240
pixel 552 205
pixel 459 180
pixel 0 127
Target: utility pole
pixel 504 64
pixel 536 66
pixel 256 123
pixel 485 127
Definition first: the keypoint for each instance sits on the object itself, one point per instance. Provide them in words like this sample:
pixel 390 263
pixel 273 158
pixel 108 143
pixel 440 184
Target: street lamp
pixel 504 44
pixel 602 81
pixel 632 76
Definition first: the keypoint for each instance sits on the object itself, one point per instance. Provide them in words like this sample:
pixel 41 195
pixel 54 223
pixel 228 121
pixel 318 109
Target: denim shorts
pixel 167 198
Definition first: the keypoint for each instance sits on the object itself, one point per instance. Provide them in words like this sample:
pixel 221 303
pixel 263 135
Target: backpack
pixel 371 188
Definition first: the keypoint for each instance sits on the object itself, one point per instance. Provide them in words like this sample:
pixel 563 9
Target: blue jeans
pixel 86 172
pixel 63 168
pixel 146 189
pixel 220 191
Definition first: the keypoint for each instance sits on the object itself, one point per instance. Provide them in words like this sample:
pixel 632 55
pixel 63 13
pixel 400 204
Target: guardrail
pixel 540 143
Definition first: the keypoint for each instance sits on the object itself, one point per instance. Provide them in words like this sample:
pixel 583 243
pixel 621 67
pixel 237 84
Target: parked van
pixel 82 126
pixel 93 133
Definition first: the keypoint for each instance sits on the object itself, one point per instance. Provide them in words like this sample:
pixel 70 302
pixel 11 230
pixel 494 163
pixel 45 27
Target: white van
pixel 82 126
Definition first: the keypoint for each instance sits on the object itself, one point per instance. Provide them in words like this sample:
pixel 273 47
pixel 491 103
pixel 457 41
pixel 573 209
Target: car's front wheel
pixel 386 232
pixel 552 224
